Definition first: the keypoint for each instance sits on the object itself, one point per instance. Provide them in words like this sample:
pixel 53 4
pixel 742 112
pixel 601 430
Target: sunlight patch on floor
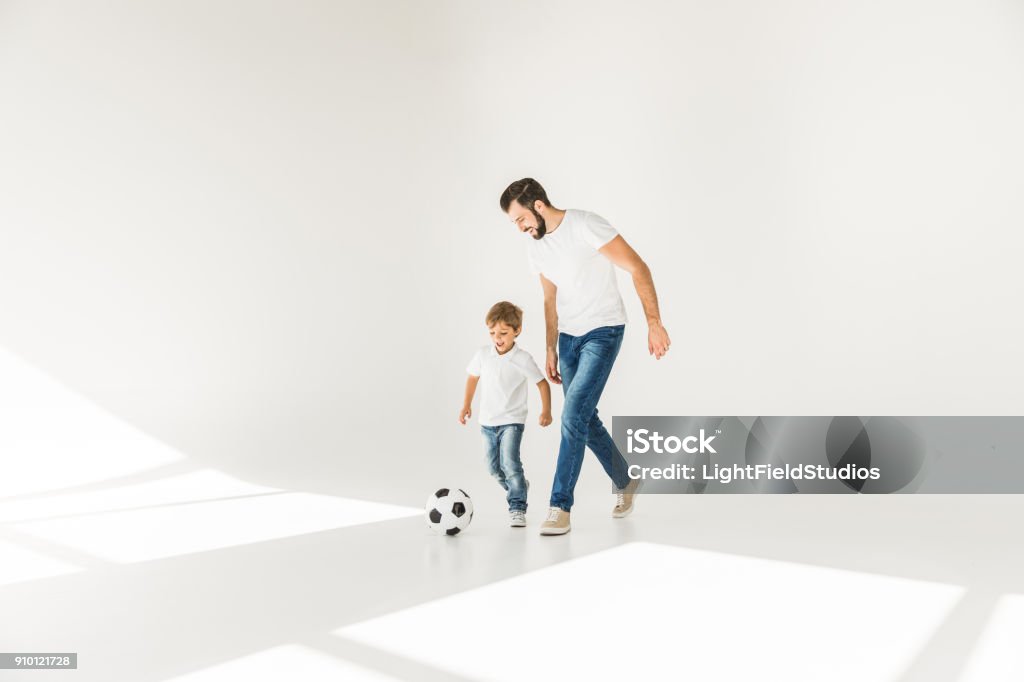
pixel 158 532
pixel 205 484
pixel 18 564
pixel 652 610
pixel 287 662
pixel 999 654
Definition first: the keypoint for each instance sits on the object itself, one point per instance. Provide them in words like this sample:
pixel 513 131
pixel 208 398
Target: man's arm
pixel 551 322
pixel 622 254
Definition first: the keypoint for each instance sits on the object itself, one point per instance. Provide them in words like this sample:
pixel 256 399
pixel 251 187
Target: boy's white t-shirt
pixel 588 294
pixel 505 382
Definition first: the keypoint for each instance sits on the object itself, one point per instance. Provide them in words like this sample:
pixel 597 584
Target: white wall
pixel 268 233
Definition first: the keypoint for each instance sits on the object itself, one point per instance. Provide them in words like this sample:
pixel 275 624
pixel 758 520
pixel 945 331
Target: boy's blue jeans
pixel 504 463
pixel 585 363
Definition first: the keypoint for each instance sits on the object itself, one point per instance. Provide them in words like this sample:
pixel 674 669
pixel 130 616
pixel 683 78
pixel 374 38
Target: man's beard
pixel 542 227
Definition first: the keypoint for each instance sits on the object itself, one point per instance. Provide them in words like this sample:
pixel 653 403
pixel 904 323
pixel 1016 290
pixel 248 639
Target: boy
pixel 506 370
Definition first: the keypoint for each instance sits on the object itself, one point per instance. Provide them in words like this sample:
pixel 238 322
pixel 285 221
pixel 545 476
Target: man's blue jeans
pixel 502 443
pixel 585 363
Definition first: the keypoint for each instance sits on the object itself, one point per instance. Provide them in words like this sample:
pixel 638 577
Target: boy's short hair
pixel 506 312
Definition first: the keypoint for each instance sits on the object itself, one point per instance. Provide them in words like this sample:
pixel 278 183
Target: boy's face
pixel 503 336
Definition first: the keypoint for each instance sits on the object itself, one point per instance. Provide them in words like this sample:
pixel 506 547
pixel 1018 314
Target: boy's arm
pixel 545 402
pixel 551 323
pixel 466 412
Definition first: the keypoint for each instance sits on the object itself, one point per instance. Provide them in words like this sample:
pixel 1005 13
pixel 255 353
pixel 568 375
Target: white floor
pixel 717 588
pixel 153 568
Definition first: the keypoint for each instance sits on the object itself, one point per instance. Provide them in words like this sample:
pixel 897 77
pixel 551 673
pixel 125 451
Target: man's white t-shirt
pixel 505 381
pixel 588 294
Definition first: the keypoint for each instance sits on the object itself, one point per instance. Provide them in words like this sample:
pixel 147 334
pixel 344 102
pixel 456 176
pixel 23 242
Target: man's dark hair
pixel 526 191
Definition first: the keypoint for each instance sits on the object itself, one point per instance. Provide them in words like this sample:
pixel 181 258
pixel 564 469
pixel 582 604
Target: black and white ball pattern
pixel 449 511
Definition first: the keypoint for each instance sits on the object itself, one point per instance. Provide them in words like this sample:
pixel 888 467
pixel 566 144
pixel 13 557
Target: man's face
pixel 527 220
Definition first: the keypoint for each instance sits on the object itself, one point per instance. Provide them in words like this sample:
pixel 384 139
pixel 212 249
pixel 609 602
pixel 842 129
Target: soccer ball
pixel 449 511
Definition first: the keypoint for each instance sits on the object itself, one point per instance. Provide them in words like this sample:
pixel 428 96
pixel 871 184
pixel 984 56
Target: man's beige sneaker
pixel 624 499
pixel 557 522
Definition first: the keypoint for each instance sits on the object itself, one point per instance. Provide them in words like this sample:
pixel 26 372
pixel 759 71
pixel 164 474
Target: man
pixel 574 253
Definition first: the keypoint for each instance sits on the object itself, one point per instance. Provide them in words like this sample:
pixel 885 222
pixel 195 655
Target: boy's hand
pixel 545 418
pixel 464 414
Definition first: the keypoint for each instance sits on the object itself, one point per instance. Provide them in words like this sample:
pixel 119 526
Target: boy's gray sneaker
pixel 557 522
pixel 517 518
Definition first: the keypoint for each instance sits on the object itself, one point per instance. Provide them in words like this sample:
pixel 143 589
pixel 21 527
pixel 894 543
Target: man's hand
pixel 465 413
pixel 657 340
pixel 552 367
pixel 622 255
pixel 545 418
